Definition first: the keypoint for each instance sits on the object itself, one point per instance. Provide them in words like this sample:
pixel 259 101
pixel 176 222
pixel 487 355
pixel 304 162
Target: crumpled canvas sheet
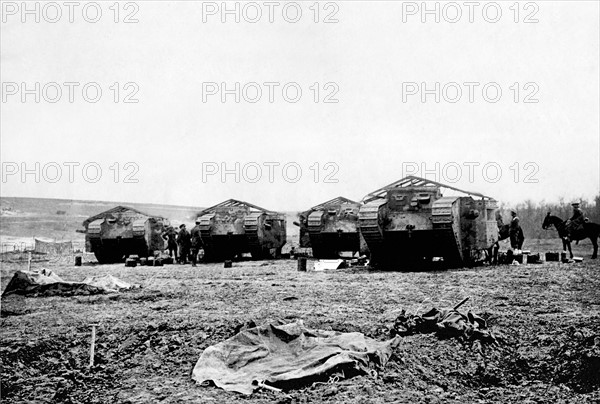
pixel 446 323
pixel 288 356
pixel 107 282
pixel 46 283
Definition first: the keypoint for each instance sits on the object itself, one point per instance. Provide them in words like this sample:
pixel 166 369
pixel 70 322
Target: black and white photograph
pixel 292 202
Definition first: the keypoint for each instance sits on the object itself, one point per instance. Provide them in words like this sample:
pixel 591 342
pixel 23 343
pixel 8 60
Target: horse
pixel 590 230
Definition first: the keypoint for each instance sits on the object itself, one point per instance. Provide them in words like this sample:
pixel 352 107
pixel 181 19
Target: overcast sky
pixel 180 134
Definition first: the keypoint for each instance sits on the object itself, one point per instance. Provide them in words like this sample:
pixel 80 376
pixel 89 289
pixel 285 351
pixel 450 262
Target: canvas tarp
pixel 108 283
pixel 287 356
pixel 48 283
pixel 53 247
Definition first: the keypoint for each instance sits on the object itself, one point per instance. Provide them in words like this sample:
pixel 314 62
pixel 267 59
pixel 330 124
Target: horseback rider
pixel 515 232
pixel 577 220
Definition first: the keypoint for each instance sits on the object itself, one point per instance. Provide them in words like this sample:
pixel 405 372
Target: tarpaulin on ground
pixel 288 356
pixel 446 323
pixel 108 283
pixel 53 247
pixel 47 283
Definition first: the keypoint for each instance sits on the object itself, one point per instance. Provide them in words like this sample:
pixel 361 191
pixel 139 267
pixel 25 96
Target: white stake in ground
pixel 92 346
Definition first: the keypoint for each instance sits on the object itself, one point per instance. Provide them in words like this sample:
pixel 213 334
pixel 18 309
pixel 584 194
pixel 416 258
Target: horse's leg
pixel 569 246
pixel 490 255
pixel 495 255
pixel 595 243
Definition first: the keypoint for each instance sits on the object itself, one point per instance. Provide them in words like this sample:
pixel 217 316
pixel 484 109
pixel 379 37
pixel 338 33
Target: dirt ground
pixel 546 318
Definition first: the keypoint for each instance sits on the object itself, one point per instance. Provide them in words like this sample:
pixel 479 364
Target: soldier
pixel 196 242
pixel 515 232
pixel 577 220
pixel 170 235
pixel 184 242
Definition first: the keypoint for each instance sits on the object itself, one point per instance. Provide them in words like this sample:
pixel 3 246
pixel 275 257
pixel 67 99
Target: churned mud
pixel 545 317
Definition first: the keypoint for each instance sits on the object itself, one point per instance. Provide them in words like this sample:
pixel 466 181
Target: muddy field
pixel 546 318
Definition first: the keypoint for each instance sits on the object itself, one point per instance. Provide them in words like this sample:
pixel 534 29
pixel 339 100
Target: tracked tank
pixel 410 222
pixel 233 227
pixel 331 228
pixel 122 231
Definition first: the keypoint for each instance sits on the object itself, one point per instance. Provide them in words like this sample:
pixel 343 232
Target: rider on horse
pixel 576 221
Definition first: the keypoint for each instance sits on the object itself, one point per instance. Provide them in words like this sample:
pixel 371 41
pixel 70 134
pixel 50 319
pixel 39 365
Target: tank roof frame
pixel 414 181
pixel 334 201
pixel 235 203
pixel 117 209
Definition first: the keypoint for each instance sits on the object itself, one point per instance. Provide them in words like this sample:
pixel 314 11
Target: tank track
pixel 251 230
pixel 368 221
pixel 314 230
pixel 205 225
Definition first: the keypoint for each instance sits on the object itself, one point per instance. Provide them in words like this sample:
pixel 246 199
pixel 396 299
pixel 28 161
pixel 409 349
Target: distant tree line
pixel 532 214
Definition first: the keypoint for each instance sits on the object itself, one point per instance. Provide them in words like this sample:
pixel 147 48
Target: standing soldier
pixel 170 235
pixel 515 232
pixel 184 242
pixel 196 242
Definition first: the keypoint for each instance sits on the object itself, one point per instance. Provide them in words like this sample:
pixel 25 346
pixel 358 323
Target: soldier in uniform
pixel 577 220
pixel 170 235
pixel 184 242
pixel 515 232
pixel 196 242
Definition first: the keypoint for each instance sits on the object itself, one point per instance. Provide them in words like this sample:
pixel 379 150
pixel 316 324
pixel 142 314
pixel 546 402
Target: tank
pixel 410 222
pixel 122 231
pixel 233 227
pixel 331 228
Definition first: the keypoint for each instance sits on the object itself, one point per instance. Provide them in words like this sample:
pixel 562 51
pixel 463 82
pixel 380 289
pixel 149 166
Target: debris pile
pixel 446 323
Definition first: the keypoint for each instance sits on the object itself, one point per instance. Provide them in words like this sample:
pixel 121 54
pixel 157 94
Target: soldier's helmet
pixel 575 204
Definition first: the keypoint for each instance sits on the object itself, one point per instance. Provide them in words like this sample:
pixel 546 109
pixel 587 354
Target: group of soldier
pixel 183 245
